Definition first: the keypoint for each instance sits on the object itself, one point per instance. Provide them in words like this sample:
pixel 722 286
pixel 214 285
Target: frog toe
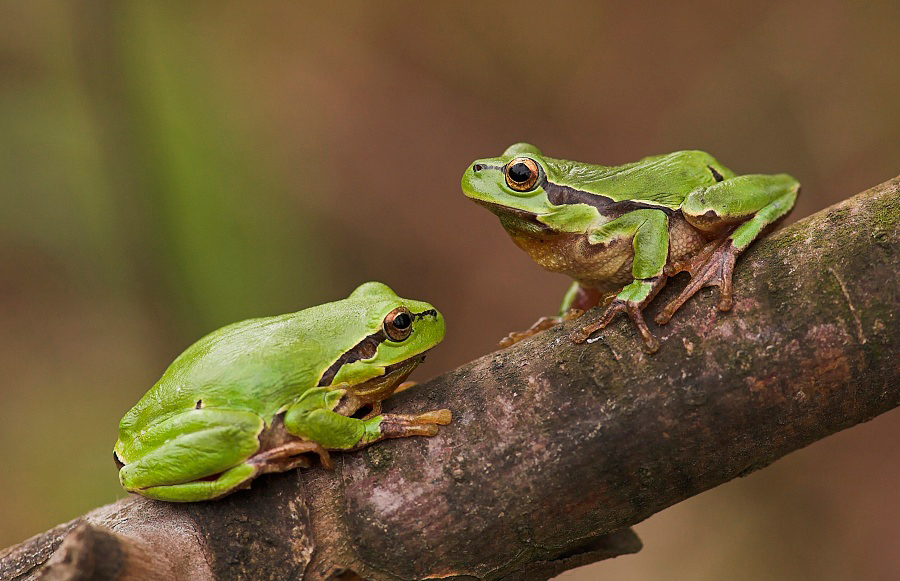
pixel 541 324
pixel 633 310
pixel 582 334
pixel 290 455
pixel 631 300
pixel 404 425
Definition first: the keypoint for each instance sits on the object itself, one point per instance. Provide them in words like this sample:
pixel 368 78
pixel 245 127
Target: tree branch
pixel 555 448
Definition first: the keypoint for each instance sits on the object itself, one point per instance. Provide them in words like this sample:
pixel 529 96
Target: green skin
pixel 620 231
pixel 258 396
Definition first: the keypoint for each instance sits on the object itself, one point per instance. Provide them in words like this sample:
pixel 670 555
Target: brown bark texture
pixel 555 448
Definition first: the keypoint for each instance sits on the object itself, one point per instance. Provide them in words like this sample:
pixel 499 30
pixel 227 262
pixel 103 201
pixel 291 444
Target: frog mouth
pixel 506 210
pixel 516 219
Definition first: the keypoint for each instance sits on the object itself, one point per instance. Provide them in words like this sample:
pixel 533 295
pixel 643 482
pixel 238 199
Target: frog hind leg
pixel 576 301
pixel 226 483
pixel 202 455
pixel 649 230
pixel 279 459
pixel 757 202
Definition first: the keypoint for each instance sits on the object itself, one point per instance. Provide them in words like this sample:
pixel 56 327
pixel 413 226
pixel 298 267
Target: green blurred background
pixel 166 168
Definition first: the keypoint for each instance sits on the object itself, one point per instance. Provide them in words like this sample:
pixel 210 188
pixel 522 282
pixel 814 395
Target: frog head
pixel 515 187
pixel 395 334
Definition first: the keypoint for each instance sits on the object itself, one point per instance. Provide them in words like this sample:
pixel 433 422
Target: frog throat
pixel 381 387
pixel 366 349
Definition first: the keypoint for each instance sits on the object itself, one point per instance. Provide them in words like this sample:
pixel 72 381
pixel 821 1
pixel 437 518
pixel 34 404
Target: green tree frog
pixel 620 231
pixel 259 395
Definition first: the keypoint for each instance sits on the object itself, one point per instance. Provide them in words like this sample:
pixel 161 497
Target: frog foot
pixel 632 301
pixel 712 267
pixel 541 324
pixel 289 456
pixel 634 313
pixel 401 425
pixel 375 411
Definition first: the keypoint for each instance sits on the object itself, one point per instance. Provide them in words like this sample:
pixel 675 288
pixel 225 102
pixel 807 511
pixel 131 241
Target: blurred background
pixel 166 168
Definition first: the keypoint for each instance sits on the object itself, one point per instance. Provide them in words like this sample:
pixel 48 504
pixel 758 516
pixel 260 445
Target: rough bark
pixel 555 448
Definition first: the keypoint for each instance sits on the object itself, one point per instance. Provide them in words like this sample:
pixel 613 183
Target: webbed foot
pixel 714 266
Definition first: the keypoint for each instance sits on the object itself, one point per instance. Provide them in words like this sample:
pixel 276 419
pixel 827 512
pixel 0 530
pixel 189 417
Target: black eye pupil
pixel 402 321
pixel 519 172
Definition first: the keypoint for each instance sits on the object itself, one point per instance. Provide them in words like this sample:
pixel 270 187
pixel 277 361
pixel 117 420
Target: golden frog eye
pixel 398 324
pixel 521 174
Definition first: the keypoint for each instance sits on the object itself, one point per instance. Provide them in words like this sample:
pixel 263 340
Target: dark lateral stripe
pixel 431 312
pixel 365 349
pixel 562 195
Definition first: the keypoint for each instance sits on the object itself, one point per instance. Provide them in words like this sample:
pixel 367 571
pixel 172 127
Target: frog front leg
pixel 753 201
pixel 313 418
pixel 649 230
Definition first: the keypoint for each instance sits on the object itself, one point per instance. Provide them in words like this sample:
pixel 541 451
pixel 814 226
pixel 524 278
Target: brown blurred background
pixel 166 168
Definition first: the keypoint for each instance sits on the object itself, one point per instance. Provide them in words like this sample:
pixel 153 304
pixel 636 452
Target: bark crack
pixel 859 328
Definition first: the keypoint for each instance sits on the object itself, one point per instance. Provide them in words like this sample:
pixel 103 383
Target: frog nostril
pixel 477 167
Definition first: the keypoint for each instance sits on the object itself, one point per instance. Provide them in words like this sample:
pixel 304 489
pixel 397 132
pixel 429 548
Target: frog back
pixel 258 365
pixel 659 180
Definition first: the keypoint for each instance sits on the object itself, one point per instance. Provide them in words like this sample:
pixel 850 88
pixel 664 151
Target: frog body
pixel 260 395
pixel 620 231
